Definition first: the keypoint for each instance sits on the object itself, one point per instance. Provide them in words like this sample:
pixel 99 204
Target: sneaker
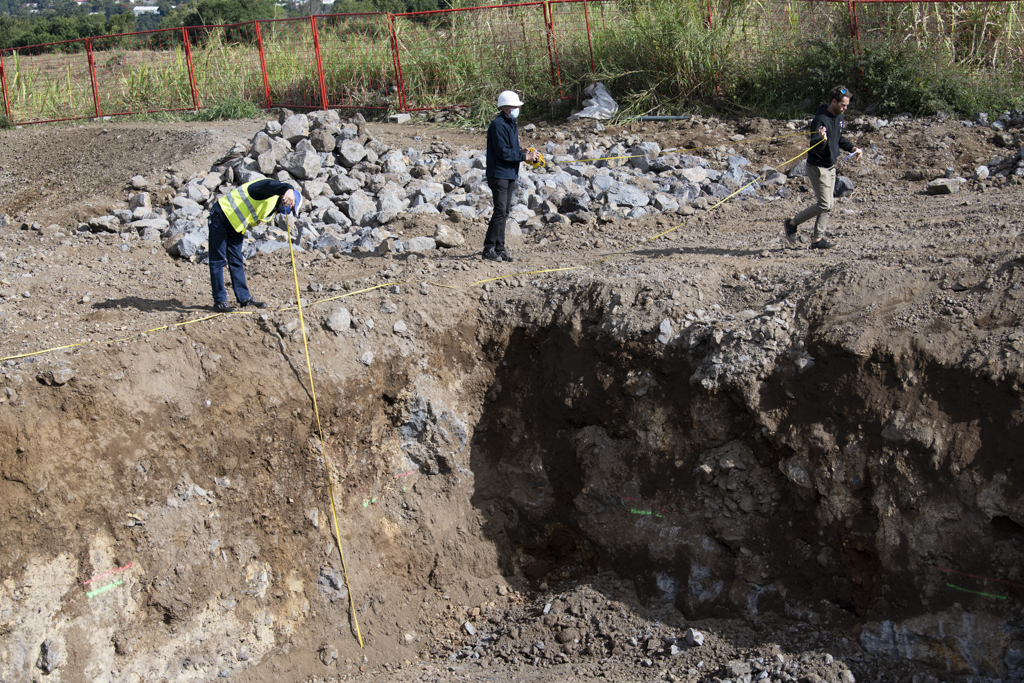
pixel 505 256
pixel 822 244
pixel 491 255
pixel 223 307
pixel 252 302
pixel 790 232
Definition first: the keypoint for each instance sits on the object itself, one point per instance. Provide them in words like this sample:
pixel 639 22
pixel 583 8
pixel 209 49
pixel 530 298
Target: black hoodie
pixel 824 156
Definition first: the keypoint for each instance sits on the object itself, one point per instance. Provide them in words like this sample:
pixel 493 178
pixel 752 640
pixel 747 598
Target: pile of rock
pixel 355 186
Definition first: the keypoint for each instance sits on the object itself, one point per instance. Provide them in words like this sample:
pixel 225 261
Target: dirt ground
pixel 155 449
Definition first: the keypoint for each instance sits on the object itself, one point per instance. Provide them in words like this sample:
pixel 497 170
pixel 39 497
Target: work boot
pixel 822 244
pixel 223 307
pixel 790 227
pixel 505 256
pixel 491 255
pixel 252 302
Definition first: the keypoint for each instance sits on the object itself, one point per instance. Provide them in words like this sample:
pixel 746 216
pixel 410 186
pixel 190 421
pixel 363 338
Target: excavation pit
pixel 705 450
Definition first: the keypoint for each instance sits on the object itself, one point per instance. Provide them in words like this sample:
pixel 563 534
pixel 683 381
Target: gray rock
pixel 328 655
pixel 943 186
pixel 350 153
pixel 420 244
pixel 359 205
pixel 799 170
pixel 197 193
pixel 367 358
pixel 138 182
pixel 628 195
pixel 295 128
pixel 185 203
pixel 603 182
pixel 323 140
pixel 694 638
pixel 448 237
pixel 302 165
pixel 269 246
pixel 189 245
pixel 261 142
pixel 140 201
pixel 392 200
pixel 273 129
pixel 339 320
pixel 981 173
pixel 343 184
pixel 844 187
pixel 266 162
pixel 664 202
pixel 469 628
pixel 158 224
pixel 51 656
pixel 212 181
pixel 665 331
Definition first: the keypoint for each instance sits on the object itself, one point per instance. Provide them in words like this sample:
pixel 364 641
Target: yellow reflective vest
pixel 244 212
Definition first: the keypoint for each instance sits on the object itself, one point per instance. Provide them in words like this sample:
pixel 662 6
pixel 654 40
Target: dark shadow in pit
pixel 150 305
pixel 569 475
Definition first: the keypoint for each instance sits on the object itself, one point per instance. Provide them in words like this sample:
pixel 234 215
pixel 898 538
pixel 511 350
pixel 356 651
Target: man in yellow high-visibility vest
pixel 244 207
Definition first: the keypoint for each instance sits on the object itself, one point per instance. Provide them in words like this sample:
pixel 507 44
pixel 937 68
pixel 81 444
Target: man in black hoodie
pixel 821 166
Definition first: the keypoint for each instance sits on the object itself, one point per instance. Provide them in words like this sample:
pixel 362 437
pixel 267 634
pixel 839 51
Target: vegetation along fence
pixel 652 54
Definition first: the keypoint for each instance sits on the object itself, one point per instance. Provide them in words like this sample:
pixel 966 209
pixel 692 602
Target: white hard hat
pixel 509 99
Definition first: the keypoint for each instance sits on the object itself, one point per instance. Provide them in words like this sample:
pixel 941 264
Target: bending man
pixel 244 207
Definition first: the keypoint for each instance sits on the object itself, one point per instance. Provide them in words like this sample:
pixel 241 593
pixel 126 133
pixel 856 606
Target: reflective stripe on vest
pixel 242 211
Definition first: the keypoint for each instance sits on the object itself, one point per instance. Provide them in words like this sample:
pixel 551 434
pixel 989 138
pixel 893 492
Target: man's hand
pixel 532 156
pixel 287 200
pixel 857 152
pixel 823 133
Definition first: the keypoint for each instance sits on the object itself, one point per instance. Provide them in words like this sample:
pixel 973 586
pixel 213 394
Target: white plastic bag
pixel 599 106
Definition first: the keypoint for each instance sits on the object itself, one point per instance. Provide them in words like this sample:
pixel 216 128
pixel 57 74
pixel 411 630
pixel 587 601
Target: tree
pixel 227 12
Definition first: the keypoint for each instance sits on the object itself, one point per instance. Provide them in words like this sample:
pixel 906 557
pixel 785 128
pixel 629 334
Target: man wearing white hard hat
pixel 244 207
pixel 503 158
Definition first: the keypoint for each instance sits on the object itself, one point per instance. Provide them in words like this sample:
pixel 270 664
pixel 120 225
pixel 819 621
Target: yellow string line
pixel 123 339
pixel 437 284
pixel 320 430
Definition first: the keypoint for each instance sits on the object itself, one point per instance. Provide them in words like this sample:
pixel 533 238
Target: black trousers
pixel 502 190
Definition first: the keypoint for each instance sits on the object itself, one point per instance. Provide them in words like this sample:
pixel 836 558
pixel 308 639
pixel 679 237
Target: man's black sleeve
pixel 267 188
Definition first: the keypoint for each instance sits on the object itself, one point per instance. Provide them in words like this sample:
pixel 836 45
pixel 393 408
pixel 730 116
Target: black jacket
pixel 825 156
pixel 503 152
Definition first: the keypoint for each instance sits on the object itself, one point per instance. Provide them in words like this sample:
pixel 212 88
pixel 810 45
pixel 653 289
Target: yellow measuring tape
pixel 320 431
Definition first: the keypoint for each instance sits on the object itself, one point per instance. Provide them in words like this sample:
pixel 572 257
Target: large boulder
pixel 350 153
pixel 295 128
pixel 302 165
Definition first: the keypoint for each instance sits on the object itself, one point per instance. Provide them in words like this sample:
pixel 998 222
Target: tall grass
pixel 769 57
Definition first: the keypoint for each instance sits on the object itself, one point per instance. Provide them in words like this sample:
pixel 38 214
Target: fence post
pixel 92 77
pixel 590 39
pixel 263 64
pixel 319 63
pixel 3 83
pixel 399 80
pixel 549 30
pixel 191 69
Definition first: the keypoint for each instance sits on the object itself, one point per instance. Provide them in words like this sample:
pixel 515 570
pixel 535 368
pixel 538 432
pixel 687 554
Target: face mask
pixel 514 113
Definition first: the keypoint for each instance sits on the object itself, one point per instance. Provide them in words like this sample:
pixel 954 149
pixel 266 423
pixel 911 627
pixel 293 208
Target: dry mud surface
pixel 811 471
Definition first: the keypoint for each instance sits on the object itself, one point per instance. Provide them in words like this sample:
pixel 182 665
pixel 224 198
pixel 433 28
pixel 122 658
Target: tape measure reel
pixel 540 159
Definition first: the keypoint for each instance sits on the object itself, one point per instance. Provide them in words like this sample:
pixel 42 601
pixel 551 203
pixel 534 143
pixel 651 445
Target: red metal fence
pixel 423 60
